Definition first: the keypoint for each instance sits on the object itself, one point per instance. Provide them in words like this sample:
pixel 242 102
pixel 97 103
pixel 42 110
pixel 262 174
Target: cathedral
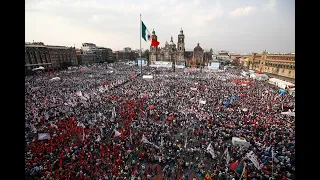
pixel 170 51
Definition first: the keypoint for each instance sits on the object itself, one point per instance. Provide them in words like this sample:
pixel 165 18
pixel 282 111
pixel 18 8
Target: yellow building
pixel 245 61
pixel 278 64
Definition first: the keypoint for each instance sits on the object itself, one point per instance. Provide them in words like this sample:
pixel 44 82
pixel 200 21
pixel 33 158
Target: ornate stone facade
pixel 198 53
pixel 170 51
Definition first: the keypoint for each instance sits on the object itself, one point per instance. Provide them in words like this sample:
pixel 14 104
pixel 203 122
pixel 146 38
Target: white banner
pixel 226 152
pixel 202 102
pixel 211 150
pixel 116 133
pixel 145 140
pixel 43 136
pixel 254 160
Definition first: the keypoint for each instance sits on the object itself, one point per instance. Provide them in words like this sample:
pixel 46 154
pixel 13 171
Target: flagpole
pixel 272 154
pixel 82 133
pixel 140 44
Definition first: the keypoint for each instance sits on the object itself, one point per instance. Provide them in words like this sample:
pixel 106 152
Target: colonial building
pixel 126 55
pixel 198 54
pixel 278 64
pixel 90 53
pixel 56 57
pixel 170 51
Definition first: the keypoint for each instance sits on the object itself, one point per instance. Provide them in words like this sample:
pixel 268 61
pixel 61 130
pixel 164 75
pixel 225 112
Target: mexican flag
pixel 145 32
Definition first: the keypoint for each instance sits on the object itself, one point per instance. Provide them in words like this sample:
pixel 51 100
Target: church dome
pixel 198 48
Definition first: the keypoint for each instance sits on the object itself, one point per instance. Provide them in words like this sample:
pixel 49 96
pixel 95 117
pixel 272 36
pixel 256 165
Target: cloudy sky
pixel 244 26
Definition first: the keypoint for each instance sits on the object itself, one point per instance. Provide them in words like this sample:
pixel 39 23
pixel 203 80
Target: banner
pixel 254 160
pixel 210 150
pixel 226 152
pixel 43 136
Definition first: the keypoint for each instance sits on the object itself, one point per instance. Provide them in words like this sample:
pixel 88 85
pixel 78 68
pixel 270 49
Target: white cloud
pixel 271 5
pixel 243 11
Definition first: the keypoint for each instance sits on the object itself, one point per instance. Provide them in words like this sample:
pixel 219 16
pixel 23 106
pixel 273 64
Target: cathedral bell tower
pixel 153 50
pixel 180 46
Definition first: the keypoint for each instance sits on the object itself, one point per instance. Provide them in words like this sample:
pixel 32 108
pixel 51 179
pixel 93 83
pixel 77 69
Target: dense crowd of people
pixel 108 122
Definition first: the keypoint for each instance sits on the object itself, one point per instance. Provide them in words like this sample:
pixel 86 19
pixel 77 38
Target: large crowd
pixel 108 122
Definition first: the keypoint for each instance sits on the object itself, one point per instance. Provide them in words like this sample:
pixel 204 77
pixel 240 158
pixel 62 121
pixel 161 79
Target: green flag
pixel 145 34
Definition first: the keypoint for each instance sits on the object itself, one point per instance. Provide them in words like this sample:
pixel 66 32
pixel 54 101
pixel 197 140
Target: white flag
pixel 211 150
pixel 226 152
pixel 98 139
pixel 114 113
pixel 34 129
pixel 53 125
pixel 43 136
pixel 254 160
pixel 116 133
pixel 161 143
pixel 144 139
pixel 81 124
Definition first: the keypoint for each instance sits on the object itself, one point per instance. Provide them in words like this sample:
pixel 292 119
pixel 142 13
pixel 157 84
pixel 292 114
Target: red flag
pixel 60 163
pixel 154 42
pixel 234 165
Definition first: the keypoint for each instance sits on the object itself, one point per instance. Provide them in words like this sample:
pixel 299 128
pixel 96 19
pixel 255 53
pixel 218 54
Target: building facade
pixel 56 57
pixel 198 54
pixel 170 52
pixel 91 53
pixel 125 56
pixel 278 64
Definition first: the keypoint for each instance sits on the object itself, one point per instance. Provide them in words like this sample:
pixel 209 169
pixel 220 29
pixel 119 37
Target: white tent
pixel 289 113
pixel 39 68
pixel 259 76
pixel 280 83
pixel 147 77
pixel 55 79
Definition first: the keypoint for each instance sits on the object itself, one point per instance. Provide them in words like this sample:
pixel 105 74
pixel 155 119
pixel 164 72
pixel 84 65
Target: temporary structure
pixel 281 83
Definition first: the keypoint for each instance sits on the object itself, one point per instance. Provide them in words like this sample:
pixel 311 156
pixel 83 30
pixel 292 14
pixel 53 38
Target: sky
pixel 242 26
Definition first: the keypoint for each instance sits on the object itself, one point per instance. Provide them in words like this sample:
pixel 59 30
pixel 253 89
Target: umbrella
pixel 151 107
pixel 282 91
pixel 226 102
pixel 144 96
pixel 239 169
pixel 245 109
pixel 233 97
pixel 170 118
